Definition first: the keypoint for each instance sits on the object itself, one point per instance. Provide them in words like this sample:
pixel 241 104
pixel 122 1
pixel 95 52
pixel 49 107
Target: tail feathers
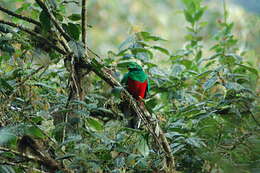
pixel 130 115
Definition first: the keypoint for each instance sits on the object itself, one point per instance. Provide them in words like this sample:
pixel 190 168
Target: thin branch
pixel 84 22
pixel 34 34
pixel 26 156
pixel 20 166
pixel 30 20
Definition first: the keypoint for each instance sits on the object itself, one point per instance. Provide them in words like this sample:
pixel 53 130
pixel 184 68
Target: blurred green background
pixel 114 20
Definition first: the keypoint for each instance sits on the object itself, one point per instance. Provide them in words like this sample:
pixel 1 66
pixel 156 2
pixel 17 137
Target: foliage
pixel 207 105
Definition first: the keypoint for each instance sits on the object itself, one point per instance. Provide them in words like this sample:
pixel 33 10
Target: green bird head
pixel 134 65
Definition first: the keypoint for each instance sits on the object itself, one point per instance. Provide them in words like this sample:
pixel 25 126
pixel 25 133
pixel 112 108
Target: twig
pixel 30 20
pixel 34 34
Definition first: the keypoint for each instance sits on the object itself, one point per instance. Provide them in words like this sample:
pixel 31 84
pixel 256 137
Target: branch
pixel 34 34
pixel 25 156
pixel 39 156
pixel 65 36
pixel 84 22
pixel 53 19
pixel 20 166
pixel 30 20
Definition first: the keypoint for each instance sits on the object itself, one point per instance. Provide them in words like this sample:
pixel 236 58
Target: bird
pixel 137 84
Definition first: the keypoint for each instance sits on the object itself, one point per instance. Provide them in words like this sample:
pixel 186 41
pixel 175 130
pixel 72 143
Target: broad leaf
pixel 45 20
pixel 94 124
pixel 210 82
pixel 75 17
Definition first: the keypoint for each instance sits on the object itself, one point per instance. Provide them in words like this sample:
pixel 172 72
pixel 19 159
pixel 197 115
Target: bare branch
pixel 34 34
pixel 30 20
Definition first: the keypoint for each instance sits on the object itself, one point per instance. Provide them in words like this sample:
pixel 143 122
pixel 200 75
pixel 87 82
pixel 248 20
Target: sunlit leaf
pixel 163 50
pixel 34 131
pixel 94 124
pixel 196 142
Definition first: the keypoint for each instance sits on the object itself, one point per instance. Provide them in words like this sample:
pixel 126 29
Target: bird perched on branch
pixel 137 84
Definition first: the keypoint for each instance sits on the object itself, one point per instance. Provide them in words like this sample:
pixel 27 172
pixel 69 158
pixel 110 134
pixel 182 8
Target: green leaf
pixel 234 86
pixel 75 17
pixel 45 20
pixel 34 131
pixel 73 31
pixel 71 139
pixel 199 14
pixel 177 147
pixel 127 43
pixel 177 69
pixel 6 135
pixel 188 16
pixel 210 82
pixel 6 169
pixel 204 74
pixel 187 63
pixel 6 47
pixel 163 50
pixel 147 53
pixel 5 85
pixel 94 124
pixel 5 28
pixel 146 36
pixel 24 7
pixel 77 48
pixel 251 69
pixel 196 142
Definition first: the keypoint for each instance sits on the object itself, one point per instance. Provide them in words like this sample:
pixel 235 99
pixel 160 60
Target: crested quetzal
pixel 137 85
